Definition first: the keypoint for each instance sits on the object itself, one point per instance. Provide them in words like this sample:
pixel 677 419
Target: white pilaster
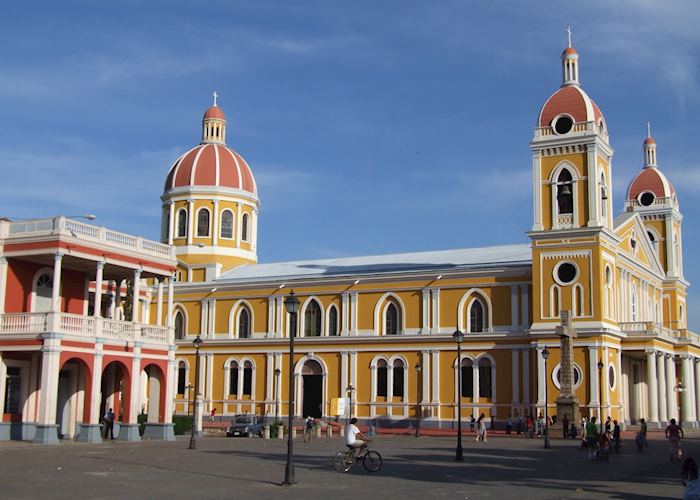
pixel 536 191
pixel 211 328
pixel 652 387
pixel 98 290
pixel 345 315
pixel 593 198
pixel 425 311
pixel 353 379
pixel 606 381
pixel 435 309
pixel 541 378
pixel 515 379
pixel 661 374
pixel 343 372
pixel 171 221
pixel 514 308
pixel 3 288
pixel 593 397
pixel 270 317
pixel 215 224
pixel 159 303
pixel 696 387
pixel 687 393
pixel 190 221
pixel 475 388
pixel 239 215
pixel 3 377
pixel 353 314
pixel 136 302
pixel 169 312
pixel 203 319
pixel 209 381
pixel 425 377
pixel 56 290
pixel 279 316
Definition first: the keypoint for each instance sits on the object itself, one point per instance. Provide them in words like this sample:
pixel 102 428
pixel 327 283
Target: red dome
pixel 649 140
pixel 214 112
pixel 569 50
pixel 572 100
pixel 653 180
pixel 211 165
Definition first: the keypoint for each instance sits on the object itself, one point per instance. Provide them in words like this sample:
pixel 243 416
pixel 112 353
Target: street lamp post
pixel 459 337
pixel 419 396
pixel 349 389
pixel 291 303
pixel 681 389
pixel 193 436
pixel 277 394
pixel 600 389
pixel 189 388
pixel 545 355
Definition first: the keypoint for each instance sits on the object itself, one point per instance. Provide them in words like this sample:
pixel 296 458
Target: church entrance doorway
pixel 312 375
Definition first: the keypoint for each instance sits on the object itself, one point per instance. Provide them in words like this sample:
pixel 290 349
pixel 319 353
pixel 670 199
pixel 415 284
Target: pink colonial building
pixel 66 353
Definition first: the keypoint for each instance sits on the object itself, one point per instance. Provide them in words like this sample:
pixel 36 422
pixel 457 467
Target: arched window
pixel 179 325
pixel 227 224
pixel 203 223
pixel 467 369
pixel 182 223
pixel 382 378
pixel 603 197
pixel 233 379
pixel 247 378
pixel 244 324
pixel 485 382
pixel 577 300
pixel 181 377
pixel 554 301
pixel 244 227
pixel 44 293
pixel 392 320
pixel 565 196
pixel 312 320
pixel 654 241
pixel 476 316
pixel 398 382
pixel 333 321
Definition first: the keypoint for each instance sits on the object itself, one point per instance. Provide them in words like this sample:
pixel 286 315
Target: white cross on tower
pixel 648 129
pixel 215 96
pixel 568 32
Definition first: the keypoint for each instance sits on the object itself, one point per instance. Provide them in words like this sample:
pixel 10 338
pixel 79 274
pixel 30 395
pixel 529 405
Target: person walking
pixel 509 424
pixel 308 428
pixel 608 424
pixel 565 423
pixel 481 429
pixel 591 438
pixel 471 424
pixel 519 424
pixel 212 415
pixel 643 436
pixel 109 424
pixel 674 434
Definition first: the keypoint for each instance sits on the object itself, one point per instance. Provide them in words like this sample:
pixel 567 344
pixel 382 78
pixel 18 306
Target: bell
pixel 604 194
pixel 565 190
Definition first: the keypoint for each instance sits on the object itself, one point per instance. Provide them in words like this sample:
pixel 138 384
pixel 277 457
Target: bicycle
pixel 344 460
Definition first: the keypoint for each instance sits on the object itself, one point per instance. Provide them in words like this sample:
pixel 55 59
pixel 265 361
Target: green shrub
pixel 182 424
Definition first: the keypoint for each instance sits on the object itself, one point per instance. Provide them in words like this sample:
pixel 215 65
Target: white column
pixel 475 388
pixel 50 366
pixel 661 374
pixel 541 378
pixel 686 394
pixel 514 308
pixel 170 381
pixel 526 377
pixel 652 387
pixel 425 311
pixel 171 221
pixel 536 191
pixel 190 221
pixel 215 223
pixel 3 288
pixel 279 316
pixel 671 387
pixel 345 316
pixel 606 387
pixel 435 327
pixel 135 401
pixel 136 302
pixel 270 317
pixel 169 311
pixel 98 290
pixel 159 303
pixel 353 314
pixel 343 372
pixel 353 379
pixel 203 319
pixel 96 384
pixel 238 225
pixel 593 398
pixel 425 377
pixel 515 380
pixel 56 290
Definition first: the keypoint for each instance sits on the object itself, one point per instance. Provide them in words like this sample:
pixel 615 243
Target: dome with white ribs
pixel 212 163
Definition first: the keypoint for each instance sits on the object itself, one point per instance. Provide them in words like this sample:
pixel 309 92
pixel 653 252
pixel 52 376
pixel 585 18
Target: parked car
pixel 245 425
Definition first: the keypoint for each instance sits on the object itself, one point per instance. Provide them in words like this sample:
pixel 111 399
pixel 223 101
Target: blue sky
pixel 371 127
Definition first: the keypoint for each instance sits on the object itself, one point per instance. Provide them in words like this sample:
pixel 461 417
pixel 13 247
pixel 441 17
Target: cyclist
pixel 354 438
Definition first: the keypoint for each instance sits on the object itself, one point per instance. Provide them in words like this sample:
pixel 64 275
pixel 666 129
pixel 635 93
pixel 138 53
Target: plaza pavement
pixel 505 467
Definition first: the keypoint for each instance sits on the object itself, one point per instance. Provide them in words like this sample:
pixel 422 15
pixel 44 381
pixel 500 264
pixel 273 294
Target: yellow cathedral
pixel 379 328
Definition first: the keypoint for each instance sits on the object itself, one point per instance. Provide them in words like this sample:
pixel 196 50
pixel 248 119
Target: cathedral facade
pixel 379 329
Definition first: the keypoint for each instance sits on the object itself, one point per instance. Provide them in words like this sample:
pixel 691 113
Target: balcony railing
pixel 32 324
pixel 651 329
pixel 82 231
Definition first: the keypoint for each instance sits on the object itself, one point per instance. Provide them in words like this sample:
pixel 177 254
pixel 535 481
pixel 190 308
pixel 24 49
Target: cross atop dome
pixel 568 32
pixel 569 62
pixel 649 149
pixel 215 96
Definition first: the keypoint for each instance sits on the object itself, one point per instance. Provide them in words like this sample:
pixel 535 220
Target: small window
pixel 392 319
pixel 382 379
pixel 611 376
pixel 476 316
pixel 565 273
pixel 181 377
pixel 333 321
pixel 312 320
pixel 244 324
pixel 203 223
pixel 182 223
pixel 646 198
pixel 398 379
pixel 244 227
pixel 247 378
pixel 233 379
pixel 563 124
pixel 485 382
pixel 226 224
pixel 179 325
pixel 467 379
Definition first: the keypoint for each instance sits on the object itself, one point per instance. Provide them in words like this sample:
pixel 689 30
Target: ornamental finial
pixel 649 129
pixel 568 33
pixel 215 96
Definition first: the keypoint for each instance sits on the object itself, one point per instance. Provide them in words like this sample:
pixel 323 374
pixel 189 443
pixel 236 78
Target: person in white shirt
pixel 354 438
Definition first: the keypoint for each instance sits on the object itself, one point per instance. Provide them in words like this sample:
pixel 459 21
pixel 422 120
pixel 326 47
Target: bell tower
pixel 572 211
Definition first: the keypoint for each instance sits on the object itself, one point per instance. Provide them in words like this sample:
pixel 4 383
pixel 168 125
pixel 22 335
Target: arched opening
pixel 73 398
pixel 153 402
pixel 43 293
pixel 233 378
pixel 554 301
pixel 565 196
pixel 485 378
pixel 467 373
pixel 476 316
pixel 244 227
pixel 181 223
pixel 181 378
pixel 312 375
pixel 180 325
pixel 203 223
pixel 312 320
pixel 382 379
pixel 333 321
pixel 244 323
pixel 392 319
pixel 398 383
pixel 227 224
pixel 116 393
